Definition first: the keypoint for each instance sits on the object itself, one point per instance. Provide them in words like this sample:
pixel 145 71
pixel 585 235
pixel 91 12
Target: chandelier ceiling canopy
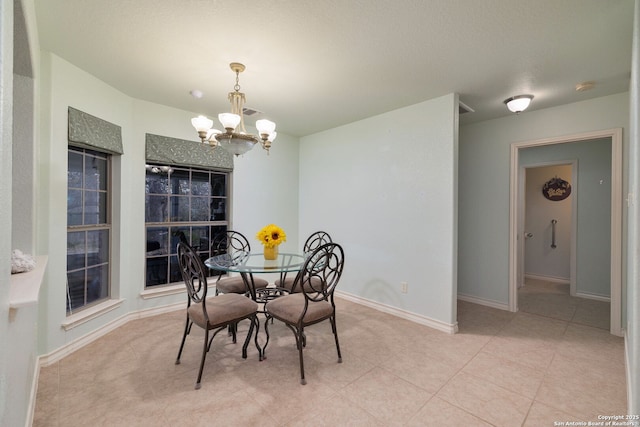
pixel 235 138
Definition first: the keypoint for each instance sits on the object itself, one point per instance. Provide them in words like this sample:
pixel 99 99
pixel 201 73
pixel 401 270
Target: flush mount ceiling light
pixel 517 104
pixel 235 142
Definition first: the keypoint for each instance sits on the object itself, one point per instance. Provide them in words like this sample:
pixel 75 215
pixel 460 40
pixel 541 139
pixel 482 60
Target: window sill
pixel 91 313
pixel 162 291
pixel 25 287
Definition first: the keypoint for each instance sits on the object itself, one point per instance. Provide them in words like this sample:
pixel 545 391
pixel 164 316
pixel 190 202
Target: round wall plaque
pixel 556 189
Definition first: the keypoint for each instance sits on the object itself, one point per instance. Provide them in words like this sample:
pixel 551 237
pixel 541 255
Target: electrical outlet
pixel 404 287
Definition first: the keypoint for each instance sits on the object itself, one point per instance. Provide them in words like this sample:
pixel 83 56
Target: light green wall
pixel 266 192
pixel 22 166
pixel 385 189
pixel 483 220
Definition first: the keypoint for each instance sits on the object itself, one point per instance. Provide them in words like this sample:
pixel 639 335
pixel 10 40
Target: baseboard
pixel 627 365
pixel 483 301
pixel 78 343
pixel 31 409
pixel 593 296
pixel 552 279
pixel 404 314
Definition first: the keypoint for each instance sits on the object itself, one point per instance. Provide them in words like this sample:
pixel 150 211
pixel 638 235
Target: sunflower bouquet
pixel 271 236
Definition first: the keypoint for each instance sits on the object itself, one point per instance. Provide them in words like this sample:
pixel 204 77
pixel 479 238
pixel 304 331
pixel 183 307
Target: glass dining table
pixel 250 263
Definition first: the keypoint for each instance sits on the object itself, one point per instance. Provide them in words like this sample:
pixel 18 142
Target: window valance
pixel 181 152
pixel 91 132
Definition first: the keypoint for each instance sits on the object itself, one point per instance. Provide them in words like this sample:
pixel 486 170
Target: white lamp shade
pixel 272 136
pixel 518 103
pixel 201 123
pixel 265 126
pixel 229 120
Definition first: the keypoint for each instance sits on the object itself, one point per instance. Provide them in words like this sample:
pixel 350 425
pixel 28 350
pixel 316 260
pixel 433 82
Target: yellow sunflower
pixel 271 235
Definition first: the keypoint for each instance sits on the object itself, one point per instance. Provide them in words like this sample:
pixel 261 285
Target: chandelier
pixel 235 142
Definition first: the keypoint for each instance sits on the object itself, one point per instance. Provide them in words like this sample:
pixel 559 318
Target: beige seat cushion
pixel 289 280
pixel 222 309
pixel 235 285
pixel 289 309
pixel 286 284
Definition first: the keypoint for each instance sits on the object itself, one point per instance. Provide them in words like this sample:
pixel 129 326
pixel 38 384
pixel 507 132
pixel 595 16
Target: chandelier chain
pixel 237 86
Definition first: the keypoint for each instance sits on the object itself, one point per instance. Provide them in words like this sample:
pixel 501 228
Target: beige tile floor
pixel 501 369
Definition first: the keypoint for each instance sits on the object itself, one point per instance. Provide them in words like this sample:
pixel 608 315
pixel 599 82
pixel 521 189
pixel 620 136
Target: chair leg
pixel 261 355
pixel 232 331
pixel 184 337
pixel 335 334
pixel 300 343
pixel 254 320
pixel 204 356
pixel 263 352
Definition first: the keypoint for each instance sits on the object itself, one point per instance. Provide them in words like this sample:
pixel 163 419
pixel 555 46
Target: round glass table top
pixel 249 262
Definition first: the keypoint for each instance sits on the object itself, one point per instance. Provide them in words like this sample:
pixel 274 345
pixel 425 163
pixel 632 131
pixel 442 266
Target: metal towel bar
pixel 553 233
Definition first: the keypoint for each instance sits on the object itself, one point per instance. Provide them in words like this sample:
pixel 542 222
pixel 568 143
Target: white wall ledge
pixel 25 287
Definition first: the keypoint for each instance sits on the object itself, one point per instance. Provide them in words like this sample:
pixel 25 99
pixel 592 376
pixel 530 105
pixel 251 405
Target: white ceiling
pixel 317 64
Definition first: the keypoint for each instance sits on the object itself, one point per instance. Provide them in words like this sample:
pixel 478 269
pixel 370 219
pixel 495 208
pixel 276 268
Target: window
pixel 181 199
pixel 88 228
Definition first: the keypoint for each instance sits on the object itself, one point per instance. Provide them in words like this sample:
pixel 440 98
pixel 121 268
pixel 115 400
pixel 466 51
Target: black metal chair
pixel 235 244
pixel 318 280
pixel 213 313
pixel 313 242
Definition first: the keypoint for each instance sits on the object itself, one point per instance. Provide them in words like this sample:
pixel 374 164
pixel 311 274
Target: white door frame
pixel 616 216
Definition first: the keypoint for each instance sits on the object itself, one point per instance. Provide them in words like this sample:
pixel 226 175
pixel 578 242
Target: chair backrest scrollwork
pixel 233 243
pixel 321 272
pixel 193 274
pixel 315 240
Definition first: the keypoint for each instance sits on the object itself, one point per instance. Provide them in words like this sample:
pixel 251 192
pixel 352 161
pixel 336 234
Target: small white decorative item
pixel 21 262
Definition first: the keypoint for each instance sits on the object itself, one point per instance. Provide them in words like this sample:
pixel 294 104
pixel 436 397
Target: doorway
pixel 549 221
pixel 613 246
